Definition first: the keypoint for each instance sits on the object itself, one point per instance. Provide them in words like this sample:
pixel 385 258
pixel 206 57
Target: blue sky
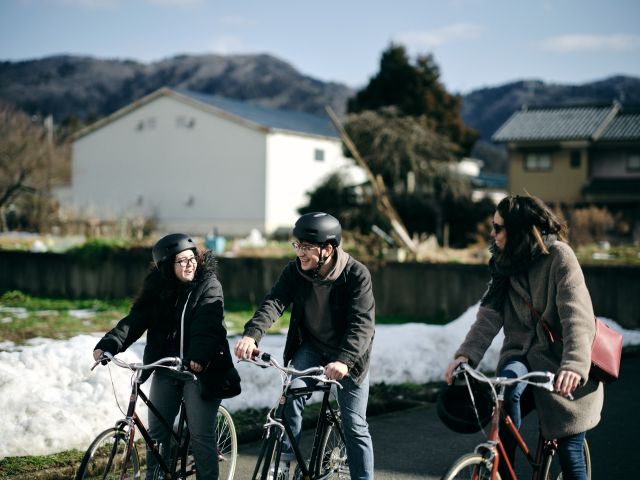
pixel 476 43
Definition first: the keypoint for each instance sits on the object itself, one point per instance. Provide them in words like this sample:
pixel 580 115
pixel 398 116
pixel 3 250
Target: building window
pixel 146 124
pixel 537 161
pixel 318 155
pixel 633 162
pixel 575 159
pixel 184 122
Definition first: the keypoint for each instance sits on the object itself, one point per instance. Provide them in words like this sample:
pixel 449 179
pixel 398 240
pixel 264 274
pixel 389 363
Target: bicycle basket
pixel 455 409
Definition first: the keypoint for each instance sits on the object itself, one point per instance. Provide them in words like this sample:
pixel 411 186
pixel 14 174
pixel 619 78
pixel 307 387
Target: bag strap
pixel 550 333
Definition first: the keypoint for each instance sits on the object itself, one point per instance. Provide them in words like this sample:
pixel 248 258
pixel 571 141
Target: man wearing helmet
pixel 332 324
pixel 180 307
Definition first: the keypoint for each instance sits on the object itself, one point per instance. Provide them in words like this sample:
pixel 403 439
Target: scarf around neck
pixel 502 269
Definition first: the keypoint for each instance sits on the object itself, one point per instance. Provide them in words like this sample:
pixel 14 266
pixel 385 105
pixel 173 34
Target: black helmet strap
pixel 321 261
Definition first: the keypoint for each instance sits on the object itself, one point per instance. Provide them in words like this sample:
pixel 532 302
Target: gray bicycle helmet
pixel 170 245
pixel 455 409
pixel 319 228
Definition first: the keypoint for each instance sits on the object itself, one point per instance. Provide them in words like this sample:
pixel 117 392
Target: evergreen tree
pixel 415 89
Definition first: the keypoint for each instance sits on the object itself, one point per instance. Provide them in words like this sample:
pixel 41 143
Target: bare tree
pixel 30 163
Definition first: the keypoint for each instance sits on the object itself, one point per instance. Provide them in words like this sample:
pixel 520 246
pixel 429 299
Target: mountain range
pixel 81 89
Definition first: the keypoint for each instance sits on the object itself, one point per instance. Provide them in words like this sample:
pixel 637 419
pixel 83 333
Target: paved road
pixel 413 444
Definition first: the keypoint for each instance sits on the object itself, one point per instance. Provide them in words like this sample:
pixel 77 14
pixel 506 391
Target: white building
pixel 198 162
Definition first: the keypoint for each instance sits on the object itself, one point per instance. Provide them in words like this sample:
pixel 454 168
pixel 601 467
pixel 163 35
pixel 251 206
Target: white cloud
pixel 89 3
pixel 438 37
pixel 174 3
pixel 237 21
pixel 587 43
pixel 227 44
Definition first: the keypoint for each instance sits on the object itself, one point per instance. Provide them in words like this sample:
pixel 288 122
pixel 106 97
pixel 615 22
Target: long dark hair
pixel 527 221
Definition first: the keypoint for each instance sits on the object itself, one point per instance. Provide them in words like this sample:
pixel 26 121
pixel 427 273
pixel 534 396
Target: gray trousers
pixel 166 393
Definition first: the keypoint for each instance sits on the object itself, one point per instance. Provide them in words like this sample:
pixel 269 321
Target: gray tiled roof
pixel 269 117
pixel 625 126
pixel 562 123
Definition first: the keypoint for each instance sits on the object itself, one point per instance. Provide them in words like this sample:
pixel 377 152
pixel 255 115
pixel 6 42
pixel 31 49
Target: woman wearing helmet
pixel 180 306
pixel 332 324
pixel 535 275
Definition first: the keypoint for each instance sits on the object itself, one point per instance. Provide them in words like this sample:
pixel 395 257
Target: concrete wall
pixel 411 289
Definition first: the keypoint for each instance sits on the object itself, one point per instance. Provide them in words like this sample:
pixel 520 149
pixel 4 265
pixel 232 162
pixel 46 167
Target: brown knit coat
pixel 555 285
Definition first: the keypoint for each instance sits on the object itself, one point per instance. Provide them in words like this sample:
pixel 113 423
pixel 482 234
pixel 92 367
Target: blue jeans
pixel 352 400
pixel 570 451
pixel 166 393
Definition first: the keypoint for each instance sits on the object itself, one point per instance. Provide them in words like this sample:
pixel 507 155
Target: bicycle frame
pixel 181 436
pixel 277 427
pixel 498 453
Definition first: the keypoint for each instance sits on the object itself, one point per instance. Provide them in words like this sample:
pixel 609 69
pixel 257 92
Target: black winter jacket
pixel 352 314
pixel 205 335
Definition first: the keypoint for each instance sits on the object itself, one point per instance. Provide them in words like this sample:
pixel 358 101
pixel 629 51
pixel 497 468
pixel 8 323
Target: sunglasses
pixel 497 227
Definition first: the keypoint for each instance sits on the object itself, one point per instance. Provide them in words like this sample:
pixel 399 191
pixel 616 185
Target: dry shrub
pixel 589 225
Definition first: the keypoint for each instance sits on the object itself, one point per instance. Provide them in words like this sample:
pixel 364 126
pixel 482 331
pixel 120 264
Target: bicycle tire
pixel 551 465
pixel 470 466
pixel 333 454
pixel 105 457
pixel 227 444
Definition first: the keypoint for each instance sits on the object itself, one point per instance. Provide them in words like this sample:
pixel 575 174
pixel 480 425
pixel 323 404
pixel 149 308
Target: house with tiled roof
pixel 198 163
pixel 575 155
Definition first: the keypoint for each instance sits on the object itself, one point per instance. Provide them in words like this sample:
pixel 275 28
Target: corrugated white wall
pixel 191 169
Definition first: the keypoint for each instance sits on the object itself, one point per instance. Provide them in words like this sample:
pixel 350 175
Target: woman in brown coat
pixel 532 267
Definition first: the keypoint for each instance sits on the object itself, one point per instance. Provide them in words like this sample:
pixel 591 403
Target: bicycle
pixel 114 455
pixel 483 463
pixel 328 457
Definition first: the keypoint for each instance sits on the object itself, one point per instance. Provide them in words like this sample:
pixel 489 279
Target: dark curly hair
pixel 161 281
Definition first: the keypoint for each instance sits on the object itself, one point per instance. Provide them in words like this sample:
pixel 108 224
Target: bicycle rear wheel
pixel 227 444
pixel 105 458
pixel 227 447
pixel 333 454
pixel 468 467
pixel 551 464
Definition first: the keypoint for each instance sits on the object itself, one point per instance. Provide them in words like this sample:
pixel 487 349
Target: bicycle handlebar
pixel 528 378
pixel 170 363
pixel 266 360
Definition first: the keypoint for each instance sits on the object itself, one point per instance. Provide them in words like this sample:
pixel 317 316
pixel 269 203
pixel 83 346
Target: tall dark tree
pixel 415 89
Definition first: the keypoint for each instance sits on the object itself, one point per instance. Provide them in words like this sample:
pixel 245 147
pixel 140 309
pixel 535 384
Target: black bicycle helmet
pixel 170 245
pixel 318 227
pixel 456 411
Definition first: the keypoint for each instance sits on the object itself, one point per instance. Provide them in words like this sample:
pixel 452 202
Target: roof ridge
pixel 615 108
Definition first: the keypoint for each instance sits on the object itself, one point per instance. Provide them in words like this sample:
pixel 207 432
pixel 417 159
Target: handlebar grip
pixel 264 356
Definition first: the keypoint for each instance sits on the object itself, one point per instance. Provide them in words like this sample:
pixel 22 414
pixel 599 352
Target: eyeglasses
pixel 186 261
pixel 497 227
pixel 299 247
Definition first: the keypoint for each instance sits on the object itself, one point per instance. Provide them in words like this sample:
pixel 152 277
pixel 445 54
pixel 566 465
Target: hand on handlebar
pixel 448 374
pixel 245 348
pixel 195 366
pixel 566 382
pixel 336 370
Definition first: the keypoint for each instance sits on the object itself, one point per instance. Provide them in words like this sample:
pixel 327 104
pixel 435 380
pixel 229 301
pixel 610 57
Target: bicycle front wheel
pixel 470 466
pixel 551 464
pixel 106 458
pixel 333 454
pixel 227 444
